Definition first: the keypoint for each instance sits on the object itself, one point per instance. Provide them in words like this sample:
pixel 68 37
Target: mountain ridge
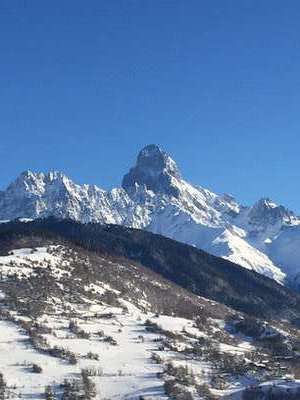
pixel 155 197
pixel 188 267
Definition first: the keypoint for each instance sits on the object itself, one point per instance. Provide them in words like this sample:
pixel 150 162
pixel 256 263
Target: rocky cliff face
pixel 154 169
pixel 155 197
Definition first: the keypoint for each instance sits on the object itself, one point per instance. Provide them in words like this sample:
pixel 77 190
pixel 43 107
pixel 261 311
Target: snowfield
pixel 16 359
pixel 23 262
pixel 126 369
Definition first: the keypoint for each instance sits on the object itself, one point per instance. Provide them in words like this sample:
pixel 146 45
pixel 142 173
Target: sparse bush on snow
pixel 2 387
pixel 49 394
pixel 37 369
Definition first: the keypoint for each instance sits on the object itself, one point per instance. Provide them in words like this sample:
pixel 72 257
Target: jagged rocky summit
pixel 154 196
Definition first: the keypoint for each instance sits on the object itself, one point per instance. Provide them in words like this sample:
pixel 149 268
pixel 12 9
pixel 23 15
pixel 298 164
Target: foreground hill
pixel 188 267
pixel 154 196
pixel 86 312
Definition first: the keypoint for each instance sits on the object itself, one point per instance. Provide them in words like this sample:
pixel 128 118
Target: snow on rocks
pixel 24 261
pixel 263 237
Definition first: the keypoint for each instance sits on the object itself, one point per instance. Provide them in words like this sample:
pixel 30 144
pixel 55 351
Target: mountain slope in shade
pixel 188 267
pixel 155 197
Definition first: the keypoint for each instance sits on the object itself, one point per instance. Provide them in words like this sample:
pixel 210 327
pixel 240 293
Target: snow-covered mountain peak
pixel 30 176
pixel 32 183
pixel 27 182
pixel 56 176
pixel 155 169
pixel 266 212
pixel 157 160
pixel 155 197
pixel 227 204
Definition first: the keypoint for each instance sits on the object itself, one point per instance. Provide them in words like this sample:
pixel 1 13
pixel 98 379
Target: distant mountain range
pixel 154 196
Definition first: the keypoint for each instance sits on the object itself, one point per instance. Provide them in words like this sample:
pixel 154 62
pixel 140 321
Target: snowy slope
pixel 154 196
pixel 63 310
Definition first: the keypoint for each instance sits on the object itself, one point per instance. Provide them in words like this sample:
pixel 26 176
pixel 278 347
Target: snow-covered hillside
pixel 155 197
pixel 77 325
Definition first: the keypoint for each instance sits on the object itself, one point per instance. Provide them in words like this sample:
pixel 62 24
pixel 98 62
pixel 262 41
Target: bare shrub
pixel 81 333
pixel 37 369
pixel 49 394
pixel 181 374
pixel 2 387
pixel 176 391
pixel 92 356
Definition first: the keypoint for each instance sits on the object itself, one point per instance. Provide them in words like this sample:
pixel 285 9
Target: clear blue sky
pixel 85 84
